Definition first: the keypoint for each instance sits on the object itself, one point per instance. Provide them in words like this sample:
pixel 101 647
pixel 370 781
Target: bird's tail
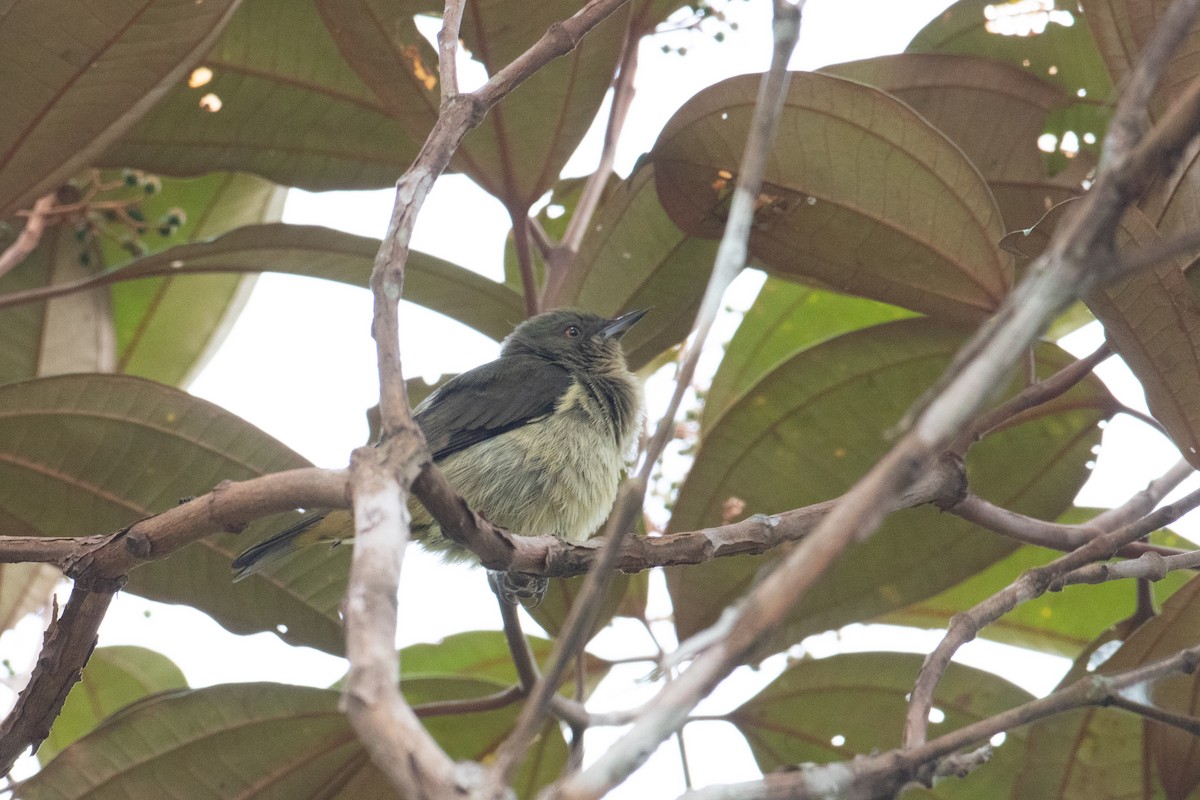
pixel 307 531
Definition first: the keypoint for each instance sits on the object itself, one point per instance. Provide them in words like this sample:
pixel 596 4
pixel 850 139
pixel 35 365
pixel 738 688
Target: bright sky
pixel 300 364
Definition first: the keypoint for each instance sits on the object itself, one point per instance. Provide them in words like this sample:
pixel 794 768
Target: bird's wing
pixel 486 401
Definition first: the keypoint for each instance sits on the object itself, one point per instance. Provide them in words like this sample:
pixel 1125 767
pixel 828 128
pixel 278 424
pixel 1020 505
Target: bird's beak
pixel 616 328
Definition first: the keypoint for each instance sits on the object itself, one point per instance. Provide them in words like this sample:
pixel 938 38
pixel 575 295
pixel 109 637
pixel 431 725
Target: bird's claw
pixel 518 588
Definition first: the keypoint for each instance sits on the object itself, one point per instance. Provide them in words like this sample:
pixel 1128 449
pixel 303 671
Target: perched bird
pixel 535 441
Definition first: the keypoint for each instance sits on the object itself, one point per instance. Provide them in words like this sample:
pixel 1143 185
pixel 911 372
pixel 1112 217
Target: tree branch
pixel 447 39
pixel 1030 397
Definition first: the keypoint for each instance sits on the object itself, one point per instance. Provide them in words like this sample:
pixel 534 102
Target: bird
pixel 536 441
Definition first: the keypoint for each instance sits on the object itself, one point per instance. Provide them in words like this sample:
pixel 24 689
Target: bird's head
pixel 574 339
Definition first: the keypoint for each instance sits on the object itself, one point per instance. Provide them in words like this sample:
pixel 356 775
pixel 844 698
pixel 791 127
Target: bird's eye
pixel 572 332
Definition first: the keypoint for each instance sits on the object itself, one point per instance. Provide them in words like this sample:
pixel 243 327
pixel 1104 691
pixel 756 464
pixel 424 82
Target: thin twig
pixel 27 240
pixel 1030 397
pixel 1056 536
pixel 1145 419
pixel 623 92
pixel 1149 566
pixel 447 39
pixel 520 233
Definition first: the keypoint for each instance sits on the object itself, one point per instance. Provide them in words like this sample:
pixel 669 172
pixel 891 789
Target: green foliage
pixel 890 188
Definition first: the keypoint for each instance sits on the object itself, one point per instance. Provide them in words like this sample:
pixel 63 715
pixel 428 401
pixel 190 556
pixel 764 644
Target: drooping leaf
pixel 1057 622
pixel 289 109
pixel 167 329
pixel 518 150
pixel 261 740
pixel 87 454
pixel 994 111
pixel 861 194
pixel 114 678
pixel 785 319
pixel 821 419
pixel 834 709
pixel 632 257
pixel 75 76
pixel 314 251
pixel 1152 320
pixel 68 334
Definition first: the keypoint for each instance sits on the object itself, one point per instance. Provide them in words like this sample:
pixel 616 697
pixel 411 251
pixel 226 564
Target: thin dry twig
pixel 1030 397
pixel 27 240
pixel 1068 537
pixel 447 39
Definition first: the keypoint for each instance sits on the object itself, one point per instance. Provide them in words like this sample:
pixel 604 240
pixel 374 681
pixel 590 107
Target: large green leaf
pixel 314 251
pixel 68 334
pixel 113 678
pixel 1057 46
pixel 834 709
pixel 994 111
pixel 86 454
pixel 291 110
pixel 519 149
pixel 1062 51
pixel 860 194
pixel 815 423
pixel 633 256
pixel 76 75
pixel 785 319
pixel 261 740
pixel 166 328
pixel 1152 319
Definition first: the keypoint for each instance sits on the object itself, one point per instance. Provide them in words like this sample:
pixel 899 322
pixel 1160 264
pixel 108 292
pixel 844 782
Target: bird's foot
pixel 518 587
